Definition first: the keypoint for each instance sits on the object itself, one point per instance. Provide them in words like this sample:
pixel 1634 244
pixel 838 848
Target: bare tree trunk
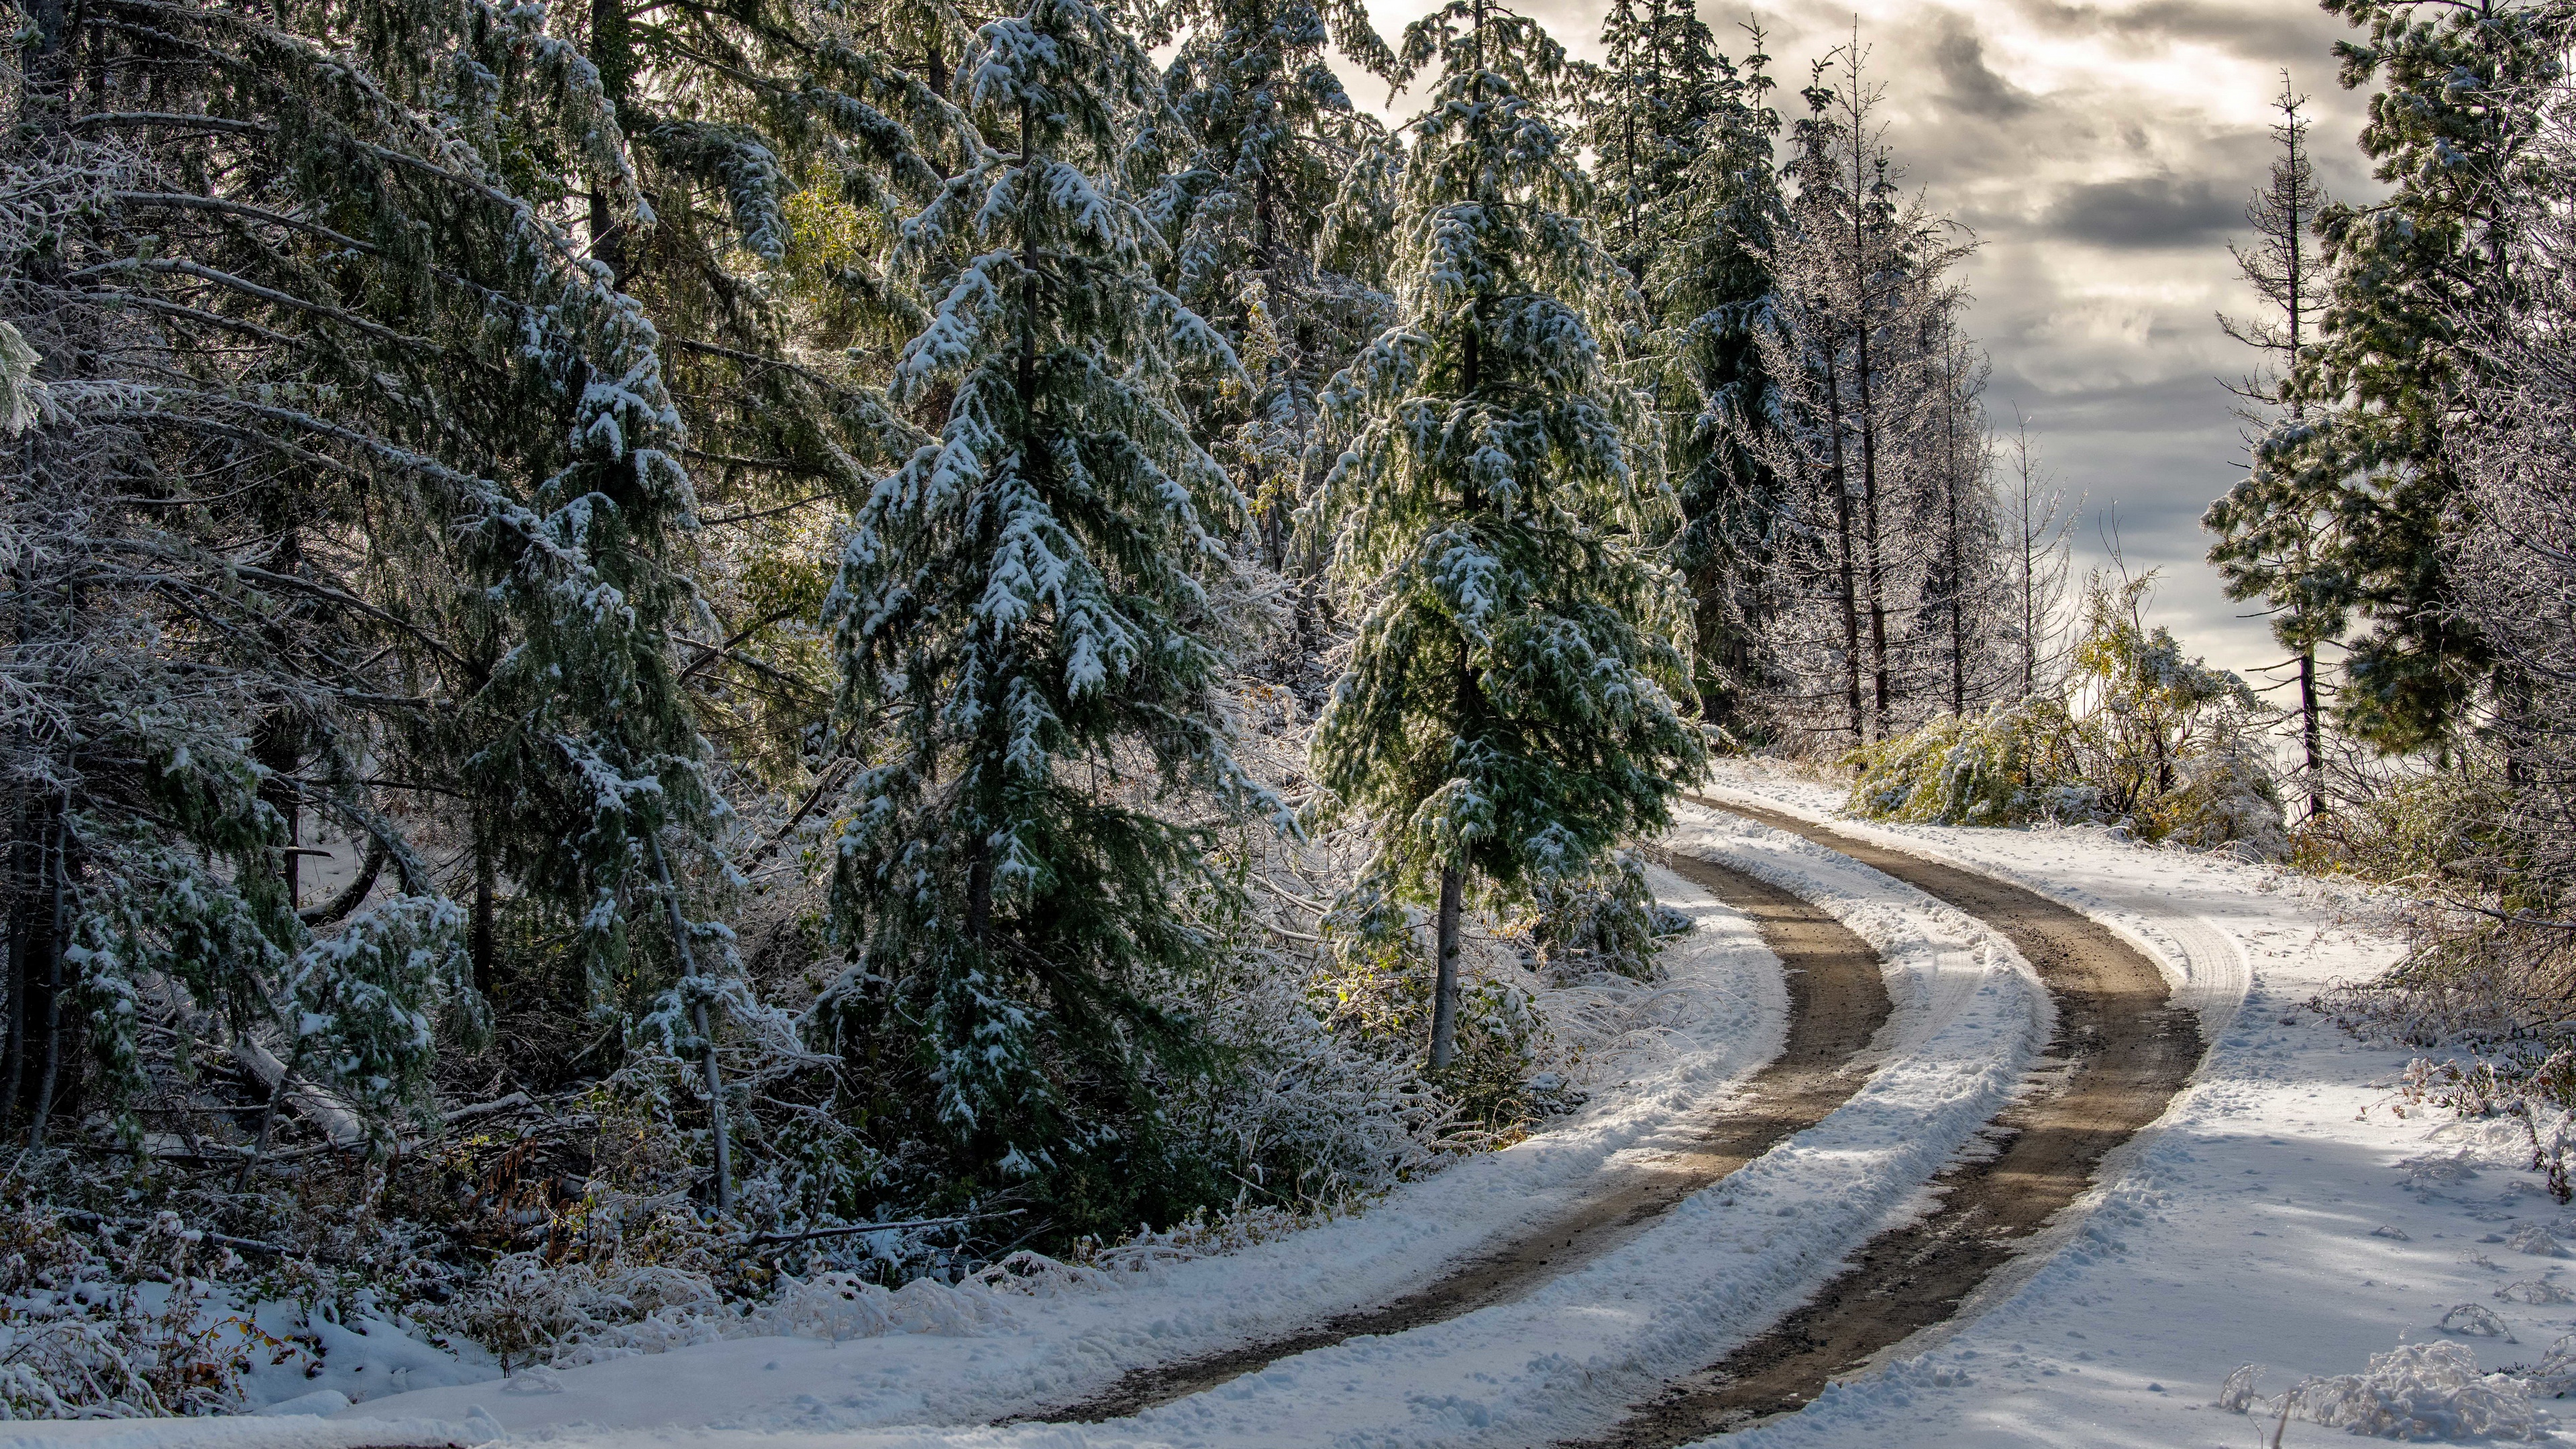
pixel 2309 733
pixel 60 881
pixel 1444 992
pixel 1849 552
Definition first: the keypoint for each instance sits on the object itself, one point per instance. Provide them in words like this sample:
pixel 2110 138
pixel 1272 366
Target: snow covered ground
pixel 2278 1215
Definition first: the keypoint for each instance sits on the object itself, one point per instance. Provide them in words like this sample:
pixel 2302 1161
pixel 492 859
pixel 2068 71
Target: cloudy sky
pixel 2102 153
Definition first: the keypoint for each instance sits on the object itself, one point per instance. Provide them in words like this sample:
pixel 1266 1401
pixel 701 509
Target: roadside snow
pixel 1721 1014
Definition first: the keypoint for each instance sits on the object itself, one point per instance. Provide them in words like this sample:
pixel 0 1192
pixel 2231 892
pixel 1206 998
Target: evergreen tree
pixel 2273 527
pixel 1274 137
pixel 2448 130
pixel 1651 109
pixel 1029 649
pixel 1709 283
pixel 1509 711
pixel 356 441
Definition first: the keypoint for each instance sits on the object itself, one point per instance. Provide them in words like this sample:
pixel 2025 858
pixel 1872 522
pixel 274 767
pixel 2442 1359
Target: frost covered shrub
pixel 1604 920
pixel 2142 737
pixel 2229 798
pixel 2008 766
pixel 2413 1391
pixel 88 1331
pixel 1307 1117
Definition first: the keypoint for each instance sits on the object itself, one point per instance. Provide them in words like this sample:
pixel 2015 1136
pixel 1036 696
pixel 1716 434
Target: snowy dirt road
pixel 2120 1050
pixel 1838 1004
pixel 2276 1213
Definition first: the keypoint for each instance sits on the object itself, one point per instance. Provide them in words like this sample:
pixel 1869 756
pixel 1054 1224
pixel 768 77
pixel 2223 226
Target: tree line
pixel 805 561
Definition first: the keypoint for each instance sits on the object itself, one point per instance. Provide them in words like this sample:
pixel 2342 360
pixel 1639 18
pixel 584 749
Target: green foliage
pixel 1607 920
pixel 2448 130
pixel 2009 766
pixel 2145 737
pixel 1029 649
pixel 1510 708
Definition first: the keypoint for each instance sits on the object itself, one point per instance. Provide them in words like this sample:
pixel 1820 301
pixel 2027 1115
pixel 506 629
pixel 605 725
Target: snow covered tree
pixel 1510 708
pixel 2449 129
pixel 1852 348
pixel 1708 283
pixel 1275 137
pixel 1962 595
pixel 345 431
pixel 2273 527
pixel 2035 563
pixel 1650 110
pixel 1029 647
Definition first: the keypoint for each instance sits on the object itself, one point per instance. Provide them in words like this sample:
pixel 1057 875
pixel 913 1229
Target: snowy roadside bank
pixel 1719 1015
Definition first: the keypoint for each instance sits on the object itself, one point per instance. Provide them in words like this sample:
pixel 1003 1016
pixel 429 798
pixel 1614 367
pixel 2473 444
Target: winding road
pixel 2120 1050
pixel 1837 1004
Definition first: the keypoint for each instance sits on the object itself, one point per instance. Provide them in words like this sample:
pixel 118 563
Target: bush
pixel 2142 737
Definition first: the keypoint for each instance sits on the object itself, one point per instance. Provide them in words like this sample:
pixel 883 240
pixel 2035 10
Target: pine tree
pixel 1028 646
pixel 1274 138
pixel 2274 527
pixel 352 437
pixel 1651 109
pixel 2448 130
pixel 1709 283
pixel 1510 707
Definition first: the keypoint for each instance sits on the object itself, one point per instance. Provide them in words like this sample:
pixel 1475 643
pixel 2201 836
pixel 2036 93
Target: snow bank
pixel 1719 1015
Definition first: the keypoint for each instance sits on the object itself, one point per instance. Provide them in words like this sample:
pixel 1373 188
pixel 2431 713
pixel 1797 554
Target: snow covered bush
pixel 1603 920
pixel 2008 766
pixel 2142 737
pixel 2413 1391
pixel 94 1329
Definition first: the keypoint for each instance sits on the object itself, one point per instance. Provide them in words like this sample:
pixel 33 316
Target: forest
pixel 663 650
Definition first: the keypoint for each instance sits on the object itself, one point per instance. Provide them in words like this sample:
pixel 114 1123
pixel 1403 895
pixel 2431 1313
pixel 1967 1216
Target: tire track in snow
pixel 1838 1003
pixel 2123 1046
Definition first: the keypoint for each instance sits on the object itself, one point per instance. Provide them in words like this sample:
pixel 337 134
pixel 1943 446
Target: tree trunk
pixel 1444 991
pixel 56 909
pixel 723 1142
pixel 480 945
pixel 2309 732
pixel 1850 553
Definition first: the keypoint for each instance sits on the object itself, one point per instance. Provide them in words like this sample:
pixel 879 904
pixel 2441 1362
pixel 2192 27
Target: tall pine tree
pixel 1028 641
pixel 1510 709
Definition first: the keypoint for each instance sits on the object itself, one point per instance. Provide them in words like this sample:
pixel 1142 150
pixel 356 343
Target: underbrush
pixel 2138 737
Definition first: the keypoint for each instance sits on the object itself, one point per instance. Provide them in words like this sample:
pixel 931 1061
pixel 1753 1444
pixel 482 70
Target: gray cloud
pixel 1968 84
pixel 2146 211
pixel 2295 34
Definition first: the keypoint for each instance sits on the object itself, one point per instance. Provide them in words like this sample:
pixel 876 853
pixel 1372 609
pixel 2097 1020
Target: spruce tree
pixel 1715 284
pixel 2449 130
pixel 2274 527
pixel 1029 651
pixel 1510 708
pixel 356 440
pixel 1273 138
